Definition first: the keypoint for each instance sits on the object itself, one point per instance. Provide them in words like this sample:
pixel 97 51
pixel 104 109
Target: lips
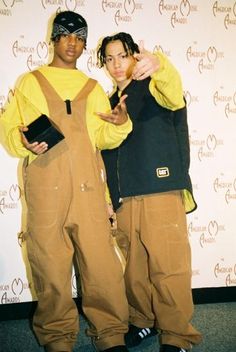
pixel 119 73
pixel 70 52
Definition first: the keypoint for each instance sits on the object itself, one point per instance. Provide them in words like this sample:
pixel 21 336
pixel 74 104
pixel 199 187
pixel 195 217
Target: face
pixel 67 50
pixel 119 64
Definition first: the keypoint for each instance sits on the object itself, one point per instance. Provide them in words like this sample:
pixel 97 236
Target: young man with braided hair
pixel 150 187
pixel 65 194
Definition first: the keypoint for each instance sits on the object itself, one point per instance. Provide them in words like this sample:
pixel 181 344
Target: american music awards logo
pixel 178 11
pixel 9 198
pixel 160 48
pixel 225 271
pixel 35 55
pixel 228 101
pixel 207 147
pixel 7 6
pixel 207 234
pixel 205 59
pixel 12 292
pixel 190 98
pixel 226 187
pixel 227 11
pixel 62 5
pixel 123 11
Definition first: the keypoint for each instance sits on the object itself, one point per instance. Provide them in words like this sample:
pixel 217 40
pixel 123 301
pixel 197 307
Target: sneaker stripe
pixel 144 332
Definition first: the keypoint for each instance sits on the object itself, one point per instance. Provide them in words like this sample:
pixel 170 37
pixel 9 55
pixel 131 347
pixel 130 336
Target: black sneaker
pixel 120 348
pixel 170 348
pixel 136 335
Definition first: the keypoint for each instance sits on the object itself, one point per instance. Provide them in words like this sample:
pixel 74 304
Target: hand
pixel 36 148
pixel 119 115
pixel 147 64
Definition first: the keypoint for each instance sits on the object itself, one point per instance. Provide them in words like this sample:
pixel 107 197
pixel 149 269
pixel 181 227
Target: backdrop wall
pixel 199 38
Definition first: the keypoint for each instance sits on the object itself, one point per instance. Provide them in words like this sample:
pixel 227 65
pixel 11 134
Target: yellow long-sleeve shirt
pixel 67 83
pixel 166 84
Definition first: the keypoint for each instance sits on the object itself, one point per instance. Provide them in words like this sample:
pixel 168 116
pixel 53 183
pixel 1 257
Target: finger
pixel 103 115
pixel 40 148
pixel 122 99
pixel 23 128
pixel 143 76
pixel 107 117
pixel 138 74
pixel 43 149
pixel 145 69
pixel 141 46
pixel 138 57
pixel 139 67
pixel 30 146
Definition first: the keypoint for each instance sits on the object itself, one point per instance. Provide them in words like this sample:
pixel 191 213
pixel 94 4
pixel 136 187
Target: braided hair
pixel 129 45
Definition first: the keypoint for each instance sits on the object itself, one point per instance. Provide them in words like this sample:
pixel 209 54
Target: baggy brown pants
pixel 67 220
pixel 158 269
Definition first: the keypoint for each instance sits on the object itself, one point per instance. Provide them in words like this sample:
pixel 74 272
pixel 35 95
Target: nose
pixel 72 39
pixel 116 62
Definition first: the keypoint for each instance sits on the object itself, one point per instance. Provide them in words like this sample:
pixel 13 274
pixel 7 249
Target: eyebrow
pixel 123 52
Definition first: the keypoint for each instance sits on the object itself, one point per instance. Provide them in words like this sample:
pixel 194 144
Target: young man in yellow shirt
pixel 65 194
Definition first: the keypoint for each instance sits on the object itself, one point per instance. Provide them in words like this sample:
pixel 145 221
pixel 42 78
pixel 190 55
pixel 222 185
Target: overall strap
pixel 87 88
pixel 44 83
pixel 46 86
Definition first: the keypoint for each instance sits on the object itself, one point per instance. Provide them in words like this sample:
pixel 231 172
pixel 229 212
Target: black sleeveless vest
pixel 155 157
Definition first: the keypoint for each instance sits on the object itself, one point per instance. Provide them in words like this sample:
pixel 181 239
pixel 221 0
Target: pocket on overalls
pixel 42 194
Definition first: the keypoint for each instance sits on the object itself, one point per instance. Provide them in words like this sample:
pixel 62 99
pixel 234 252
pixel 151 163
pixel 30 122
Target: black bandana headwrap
pixel 68 22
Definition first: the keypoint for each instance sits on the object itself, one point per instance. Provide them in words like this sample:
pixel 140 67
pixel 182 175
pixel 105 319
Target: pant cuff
pixel 59 346
pixel 108 342
pixel 142 323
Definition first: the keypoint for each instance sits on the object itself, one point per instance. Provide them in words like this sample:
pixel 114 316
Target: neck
pixel 62 64
pixel 123 85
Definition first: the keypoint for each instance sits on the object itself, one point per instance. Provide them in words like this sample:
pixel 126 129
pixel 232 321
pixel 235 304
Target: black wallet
pixel 43 130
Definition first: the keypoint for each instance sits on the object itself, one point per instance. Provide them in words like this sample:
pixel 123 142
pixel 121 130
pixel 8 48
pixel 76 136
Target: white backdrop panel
pixel 199 38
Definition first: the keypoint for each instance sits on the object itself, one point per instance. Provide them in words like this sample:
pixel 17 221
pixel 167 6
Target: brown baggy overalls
pixel 158 270
pixel 67 220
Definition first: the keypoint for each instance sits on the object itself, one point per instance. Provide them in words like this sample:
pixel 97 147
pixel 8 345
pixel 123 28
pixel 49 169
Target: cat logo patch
pixel 162 172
